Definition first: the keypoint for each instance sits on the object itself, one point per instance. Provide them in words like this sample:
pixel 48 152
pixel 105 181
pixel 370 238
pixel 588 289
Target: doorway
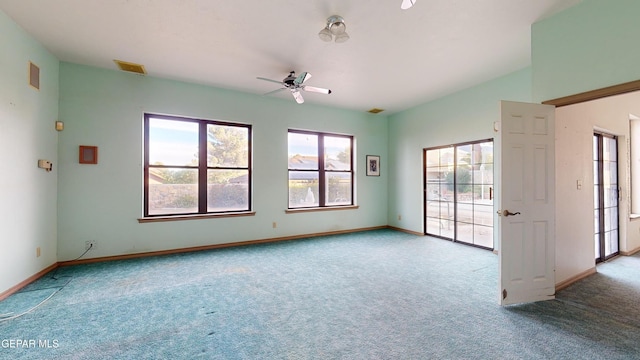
pixel 606 196
pixel 458 192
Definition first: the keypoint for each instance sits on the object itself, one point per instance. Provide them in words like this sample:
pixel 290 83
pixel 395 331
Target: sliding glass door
pixel 458 196
pixel 605 178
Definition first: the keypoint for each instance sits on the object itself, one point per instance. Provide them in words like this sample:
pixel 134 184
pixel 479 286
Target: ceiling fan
pixel 296 84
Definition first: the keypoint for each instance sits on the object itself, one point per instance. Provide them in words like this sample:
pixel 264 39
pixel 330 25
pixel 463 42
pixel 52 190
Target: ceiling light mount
pixel 406 4
pixel 335 28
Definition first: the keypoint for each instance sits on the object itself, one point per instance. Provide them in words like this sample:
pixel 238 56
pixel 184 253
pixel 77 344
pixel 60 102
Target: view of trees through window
pixel 459 192
pixel 195 166
pixel 320 169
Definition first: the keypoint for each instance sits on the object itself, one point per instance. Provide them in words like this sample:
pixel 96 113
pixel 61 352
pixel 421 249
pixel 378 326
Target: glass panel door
pixel 605 171
pixel 439 206
pixel 459 193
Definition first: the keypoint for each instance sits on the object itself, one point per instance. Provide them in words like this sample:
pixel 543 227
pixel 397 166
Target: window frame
pixel 202 167
pixel 322 172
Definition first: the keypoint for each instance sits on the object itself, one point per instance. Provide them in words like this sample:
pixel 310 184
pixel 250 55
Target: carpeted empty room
pixel 377 294
pixel 329 179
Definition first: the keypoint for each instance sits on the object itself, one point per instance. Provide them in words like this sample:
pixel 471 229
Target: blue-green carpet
pixel 369 295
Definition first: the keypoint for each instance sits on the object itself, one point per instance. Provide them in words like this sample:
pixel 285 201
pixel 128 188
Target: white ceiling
pixel 394 60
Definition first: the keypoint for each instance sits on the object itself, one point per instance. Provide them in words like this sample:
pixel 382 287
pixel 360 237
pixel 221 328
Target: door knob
pixel 509 213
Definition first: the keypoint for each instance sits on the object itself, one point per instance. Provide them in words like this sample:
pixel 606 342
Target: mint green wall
pixel 586 47
pixel 102 202
pixel 467 115
pixel 589 46
pixel 27 193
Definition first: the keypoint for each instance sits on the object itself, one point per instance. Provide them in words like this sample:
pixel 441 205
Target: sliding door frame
pixel 454 202
pixel 600 187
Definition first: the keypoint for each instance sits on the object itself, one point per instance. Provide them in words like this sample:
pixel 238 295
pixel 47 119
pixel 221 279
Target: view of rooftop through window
pixel 195 166
pixel 320 169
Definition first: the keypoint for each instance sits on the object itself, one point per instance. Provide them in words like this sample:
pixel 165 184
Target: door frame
pixel 454 202
pixel 601 196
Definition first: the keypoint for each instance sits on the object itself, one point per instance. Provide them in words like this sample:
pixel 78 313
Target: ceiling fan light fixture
pixel 335 27
pixel 342 37
pixel 325 35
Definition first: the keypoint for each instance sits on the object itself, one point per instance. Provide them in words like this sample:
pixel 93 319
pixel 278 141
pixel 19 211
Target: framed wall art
pixel 373 165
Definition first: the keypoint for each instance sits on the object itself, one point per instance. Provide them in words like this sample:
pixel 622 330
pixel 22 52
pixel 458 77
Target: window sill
pixel 326 208
pixel 194 217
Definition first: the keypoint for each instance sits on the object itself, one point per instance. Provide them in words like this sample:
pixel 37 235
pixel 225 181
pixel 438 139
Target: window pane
pixel 609 152
pixel 433 226
pixel 303 151
pixel 483 214
pixel 173 191
pixel 464 212
pixel 227 190
pixel 464 155
pixel 303 188
pixel 484 175
pixel 173 142
pixel 435 175
pixel 611 171
pixel 486 152
pixel 338 190
pixel 433 158
pixel 433 208
pixel 464 193
pixel 433 192
pixel 337 153
pixel 613 243
pixel 463 174
pixel 446 157
pixel 196 166
pixel 483 236
pixel 614 218
pixel 465 232
pixel 227 146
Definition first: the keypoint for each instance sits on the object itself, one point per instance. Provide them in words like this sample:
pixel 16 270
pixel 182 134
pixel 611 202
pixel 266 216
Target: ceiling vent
pixel 376 111
pixel 131 67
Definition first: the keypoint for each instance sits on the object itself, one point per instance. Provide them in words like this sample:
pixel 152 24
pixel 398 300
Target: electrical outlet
pixel 399 217
pixel 275 225
pixel 90 245
pixel 38 251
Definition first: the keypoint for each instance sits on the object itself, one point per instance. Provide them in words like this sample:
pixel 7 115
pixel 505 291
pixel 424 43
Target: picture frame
pixel 88 154
pixel 373 165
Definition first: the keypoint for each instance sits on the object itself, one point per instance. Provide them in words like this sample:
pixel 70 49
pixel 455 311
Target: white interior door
pixel 526 215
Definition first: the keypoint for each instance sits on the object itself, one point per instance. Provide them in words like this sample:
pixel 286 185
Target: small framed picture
pixel 88 154
pixel 373 165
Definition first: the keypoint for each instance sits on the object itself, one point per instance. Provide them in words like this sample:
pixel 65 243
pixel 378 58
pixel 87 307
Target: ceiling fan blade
pixel 302 78
pixel 265 79
pixel 316 89
pixel 297 96
pixel 274 91
pixel 407 4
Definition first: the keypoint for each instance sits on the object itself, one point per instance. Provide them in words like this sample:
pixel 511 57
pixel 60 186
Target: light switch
pixel 579 184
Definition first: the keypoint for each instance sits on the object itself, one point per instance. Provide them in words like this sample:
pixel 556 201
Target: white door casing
pixel 526 215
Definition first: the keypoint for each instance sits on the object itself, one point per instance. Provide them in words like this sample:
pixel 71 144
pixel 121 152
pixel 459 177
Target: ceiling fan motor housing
pixel 288 81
